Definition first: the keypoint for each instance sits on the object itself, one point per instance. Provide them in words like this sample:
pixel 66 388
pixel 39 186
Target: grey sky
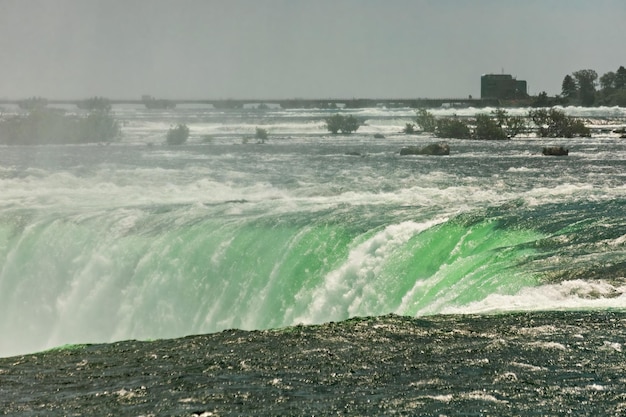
pixel 299 48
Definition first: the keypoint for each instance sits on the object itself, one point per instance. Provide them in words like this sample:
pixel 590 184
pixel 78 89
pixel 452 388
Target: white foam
pixel 346 291
pixel 574 294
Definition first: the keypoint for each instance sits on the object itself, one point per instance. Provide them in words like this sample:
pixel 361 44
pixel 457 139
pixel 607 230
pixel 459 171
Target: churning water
pixel 139 240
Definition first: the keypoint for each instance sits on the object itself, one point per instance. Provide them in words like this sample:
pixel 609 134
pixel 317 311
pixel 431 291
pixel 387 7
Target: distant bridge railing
pixel 352 103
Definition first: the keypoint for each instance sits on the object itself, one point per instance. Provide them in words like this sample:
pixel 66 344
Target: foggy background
pixel 217 49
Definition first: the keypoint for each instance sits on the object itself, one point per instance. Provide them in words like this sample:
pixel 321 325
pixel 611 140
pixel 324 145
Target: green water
pixel 127 241
pixel 149 274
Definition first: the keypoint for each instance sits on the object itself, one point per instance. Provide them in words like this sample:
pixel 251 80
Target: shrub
pixel 452 128
pixel 345 124
pixel 177 135
pixel 426 121
pixel 261 135
pixel 50 126
pixel 515 125
pixel 488 128
pixel 95 103
pixel 98 126
pixel 33 103
pixel 409 129
pixel 556 124
pixel 334 123
pixel 350 124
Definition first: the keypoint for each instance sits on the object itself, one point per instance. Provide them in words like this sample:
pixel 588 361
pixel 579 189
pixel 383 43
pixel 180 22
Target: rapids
pixel 139 240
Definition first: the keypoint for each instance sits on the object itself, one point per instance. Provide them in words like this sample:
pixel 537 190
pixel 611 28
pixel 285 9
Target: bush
pixel 177 135
pixel 452 128
pixel 261 135
pixel 345 124
pixel 426 121
pixel 515 125
pixel 33 103
pixel 50 126
pixel 409 129
pixel 98 126
pixel 488 128
pixel 95 103
pixel 556 124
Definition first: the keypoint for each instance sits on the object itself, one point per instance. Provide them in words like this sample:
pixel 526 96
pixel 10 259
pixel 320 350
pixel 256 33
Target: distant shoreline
pixel 330 103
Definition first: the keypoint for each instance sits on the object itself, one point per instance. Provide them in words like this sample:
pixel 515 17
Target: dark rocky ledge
pixel 548 363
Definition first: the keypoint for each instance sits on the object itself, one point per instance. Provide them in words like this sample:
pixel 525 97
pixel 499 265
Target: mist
pixel 297 49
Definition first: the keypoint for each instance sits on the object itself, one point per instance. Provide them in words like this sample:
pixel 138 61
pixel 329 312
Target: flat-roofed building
pixel 502 86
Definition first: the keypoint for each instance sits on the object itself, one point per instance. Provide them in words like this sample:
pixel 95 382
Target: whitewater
pixel 140 240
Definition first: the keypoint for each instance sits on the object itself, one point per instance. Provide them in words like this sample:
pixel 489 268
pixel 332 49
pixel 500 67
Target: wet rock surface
pixel 549 363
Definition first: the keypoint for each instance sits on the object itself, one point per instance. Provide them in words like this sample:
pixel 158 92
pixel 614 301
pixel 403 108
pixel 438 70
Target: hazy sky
pixel 300 48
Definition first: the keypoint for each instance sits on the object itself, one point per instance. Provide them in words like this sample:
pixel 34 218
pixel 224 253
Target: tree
pixel 177 135
pixel 586 81
pixel 95 103
pixel 620 78
pixel 501 116
pixel 515 125
pixel 426 121
pixel 51 126
pixel 541 100
pixel 409 129
pixel 333 123
pixel 488 128
pixel 607 81
pixel 452 128
pixel 350 124
pixel 260 135
pixel 345 124
pixel 556 124
pixel 98 126
pixel 569 90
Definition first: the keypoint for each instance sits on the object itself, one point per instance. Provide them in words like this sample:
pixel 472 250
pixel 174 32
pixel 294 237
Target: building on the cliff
pixel 502 86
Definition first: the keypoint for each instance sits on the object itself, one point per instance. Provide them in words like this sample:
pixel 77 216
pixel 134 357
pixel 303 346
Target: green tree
pixel 607 81
pixel 620 78
pixel 260 135
pixel 345 124
pixel 488 128
pixel 541 100
pixel 350 124
pixel 452 128
pixel 586 82
pixel 515 125
pixel 95 103
pixel 98 126
pixel 51 126
pixel 569 89
pixel 333 123
pixel 177 135
pixel 501 116
pixel 33 103
pixel 409 129
pixel 426 121
pixel 556 124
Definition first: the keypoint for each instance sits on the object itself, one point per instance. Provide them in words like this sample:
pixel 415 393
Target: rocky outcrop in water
pixel 555 151
pixel 441 148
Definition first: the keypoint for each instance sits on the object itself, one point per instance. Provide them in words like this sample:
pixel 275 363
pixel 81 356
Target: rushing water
pixel 139 240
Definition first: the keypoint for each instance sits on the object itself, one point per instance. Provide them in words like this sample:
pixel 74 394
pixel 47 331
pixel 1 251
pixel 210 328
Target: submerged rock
pixel 555 151
pixel 441 148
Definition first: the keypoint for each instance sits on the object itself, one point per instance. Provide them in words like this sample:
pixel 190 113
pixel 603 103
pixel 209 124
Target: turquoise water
pixel 141 240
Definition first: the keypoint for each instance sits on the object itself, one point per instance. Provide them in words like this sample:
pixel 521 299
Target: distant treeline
pixel 585 88
pixel 53 126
